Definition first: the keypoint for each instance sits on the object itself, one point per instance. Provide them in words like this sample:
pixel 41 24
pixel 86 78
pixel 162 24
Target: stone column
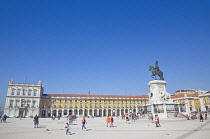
pixel 102 113
pixel 107 110
pixel 72 111
pixel 202 104
pixel 78 112
pixel 97 111
pixel 136 109
pixel 88 111
pixel 193 106
pixel 62 112
pixel 83 112
pixel 179 108
pixel 187 105
pixel 111 112
pixel 56 112
pixel 124 111
pixel 50 113
pixel 164 108
pixel 93 112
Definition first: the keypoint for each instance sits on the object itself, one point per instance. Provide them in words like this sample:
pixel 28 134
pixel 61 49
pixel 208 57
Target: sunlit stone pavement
pixel 15 128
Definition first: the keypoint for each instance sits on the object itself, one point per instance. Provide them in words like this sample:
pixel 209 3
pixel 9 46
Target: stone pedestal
pixel 159 100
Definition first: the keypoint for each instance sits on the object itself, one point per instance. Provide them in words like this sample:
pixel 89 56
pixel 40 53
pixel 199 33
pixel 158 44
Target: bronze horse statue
pixel 156 71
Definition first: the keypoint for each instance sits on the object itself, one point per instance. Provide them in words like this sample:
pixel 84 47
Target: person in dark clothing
pixel 36 121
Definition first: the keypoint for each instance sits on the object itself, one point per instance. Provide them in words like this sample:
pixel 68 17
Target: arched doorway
pixel 43 113
pixel 109 112
pixel 122 112
pixel 100 112
pixel 54 113
pixel 90 112
pixel 86 112
pixel 126 111
pixel 60 113
pixel 95 112
pixel 104 112
pixel 80 112
pixel 118 112
pixel 75 112
pixel 65 112
pixel 70 112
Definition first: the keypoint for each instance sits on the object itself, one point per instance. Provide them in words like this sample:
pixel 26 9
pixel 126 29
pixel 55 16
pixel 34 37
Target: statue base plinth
pixel 159 100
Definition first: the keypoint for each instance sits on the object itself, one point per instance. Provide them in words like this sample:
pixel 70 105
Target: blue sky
pixel 104 45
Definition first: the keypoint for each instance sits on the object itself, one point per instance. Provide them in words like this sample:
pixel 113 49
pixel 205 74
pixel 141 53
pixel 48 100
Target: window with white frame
pixel 18 92
pixel 24 92
pixel 34 104
pixel 11 103
pixel 29 93
pixel 35 92
pixel 13 92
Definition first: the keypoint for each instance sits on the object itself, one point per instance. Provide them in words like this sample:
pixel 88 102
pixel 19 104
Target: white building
pixel 190 91
pixel 23 99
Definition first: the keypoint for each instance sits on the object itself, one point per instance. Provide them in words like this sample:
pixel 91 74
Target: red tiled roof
pixel 80 95
pixel 182 95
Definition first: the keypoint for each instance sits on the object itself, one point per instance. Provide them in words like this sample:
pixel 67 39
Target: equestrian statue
pixel 156 71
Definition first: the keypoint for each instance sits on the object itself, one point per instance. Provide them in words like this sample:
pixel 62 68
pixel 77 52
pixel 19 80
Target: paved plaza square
pixel 178 128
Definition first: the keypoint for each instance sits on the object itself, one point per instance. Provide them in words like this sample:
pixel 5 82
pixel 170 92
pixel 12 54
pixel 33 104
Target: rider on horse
pixel 156 67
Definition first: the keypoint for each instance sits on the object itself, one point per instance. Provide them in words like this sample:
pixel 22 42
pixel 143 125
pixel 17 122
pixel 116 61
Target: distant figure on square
pixel 36 121
pixel 111 121
pixel 127 119
pixel 67 129
pixel 108 121
pixel 157 121
pixel 83 123
pixel 201 117
pixel 205 114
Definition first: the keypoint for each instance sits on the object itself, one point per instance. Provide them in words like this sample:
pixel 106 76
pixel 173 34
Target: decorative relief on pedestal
pixel 164 96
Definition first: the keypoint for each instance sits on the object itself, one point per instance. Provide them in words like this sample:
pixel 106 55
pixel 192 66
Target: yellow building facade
pixel 94 105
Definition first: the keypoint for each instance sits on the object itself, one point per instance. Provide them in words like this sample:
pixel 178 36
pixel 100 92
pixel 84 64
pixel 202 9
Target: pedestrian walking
pixel 157 121
pixel 3 118
pixel 70 119
pixel 201 117
pixel 67 129
pixel 83 123
pixel 127 119
pixel 36 121
pixel 205 114
pixel 111 121
pixel 108 121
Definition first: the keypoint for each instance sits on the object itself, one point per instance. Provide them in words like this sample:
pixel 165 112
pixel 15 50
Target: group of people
pixel 3 118
pixel 109 121
pixel 129 117
pixel 201 116
pixel 70 121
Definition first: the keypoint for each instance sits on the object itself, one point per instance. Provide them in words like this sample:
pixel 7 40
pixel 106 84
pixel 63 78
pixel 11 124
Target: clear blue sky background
pixel 106 45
